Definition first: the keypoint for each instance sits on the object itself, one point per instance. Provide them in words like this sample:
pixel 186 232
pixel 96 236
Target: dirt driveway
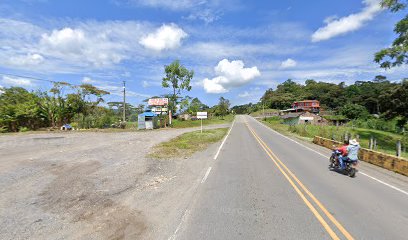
pixel 93 185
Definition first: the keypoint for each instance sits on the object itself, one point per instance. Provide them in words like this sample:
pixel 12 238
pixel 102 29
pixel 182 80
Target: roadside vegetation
pixel 386 141
pixel 187 144
pixel 261 112
pixel 197 123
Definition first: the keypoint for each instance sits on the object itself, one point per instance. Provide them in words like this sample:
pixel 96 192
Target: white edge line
pixel 183 219
pixel 222 144
pixel 386 184
pixel 363 173
pixel 206 175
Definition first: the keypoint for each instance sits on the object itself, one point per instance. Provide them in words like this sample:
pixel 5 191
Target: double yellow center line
pixel 299 187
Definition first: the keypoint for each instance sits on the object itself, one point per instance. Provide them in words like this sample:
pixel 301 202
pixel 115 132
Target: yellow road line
pixel 302 196
pixel 319 204
pixel 325 211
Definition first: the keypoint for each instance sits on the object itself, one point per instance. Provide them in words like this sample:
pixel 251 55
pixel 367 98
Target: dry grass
pixel 187 144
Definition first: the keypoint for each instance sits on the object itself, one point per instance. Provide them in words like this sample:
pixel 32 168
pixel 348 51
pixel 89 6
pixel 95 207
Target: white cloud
pixel 206 15
pixel 164 38
pixel 27 60
pixel 17 81
pixel 73 48
pixel 1 91
pixel 76 44
pixel 230 74
pixel 215 85
pixel 217 50
pixel 166 4
pixel 349 23
pixel 244 94
pixel 145 84
pixel 288 63
pixel 88 80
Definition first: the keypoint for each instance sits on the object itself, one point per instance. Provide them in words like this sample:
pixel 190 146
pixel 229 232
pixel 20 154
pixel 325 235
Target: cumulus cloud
pixel 164 38
pixel 288 63
pixel 17 81
pixel 352 22
pixel 75 47
pixel 75 44
pixel 27 60
pixel 230 74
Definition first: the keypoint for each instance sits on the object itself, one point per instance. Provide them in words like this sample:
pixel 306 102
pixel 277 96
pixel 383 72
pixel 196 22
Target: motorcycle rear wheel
pixel 352 172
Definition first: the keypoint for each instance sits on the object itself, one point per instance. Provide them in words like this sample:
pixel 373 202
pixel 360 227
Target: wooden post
pixel 201 125
pixel 371 143
pixel 375 144
pixel 398 153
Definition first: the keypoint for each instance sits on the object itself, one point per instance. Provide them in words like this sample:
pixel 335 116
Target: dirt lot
pixel 93 185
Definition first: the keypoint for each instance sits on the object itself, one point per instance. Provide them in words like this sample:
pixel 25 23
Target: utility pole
pixel 124 101
pixel 263 108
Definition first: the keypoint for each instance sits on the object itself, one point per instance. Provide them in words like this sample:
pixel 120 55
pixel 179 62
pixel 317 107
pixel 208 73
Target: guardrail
pixel 393 163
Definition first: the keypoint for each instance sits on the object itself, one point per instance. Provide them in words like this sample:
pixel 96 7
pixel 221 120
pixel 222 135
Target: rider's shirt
pixel 353 152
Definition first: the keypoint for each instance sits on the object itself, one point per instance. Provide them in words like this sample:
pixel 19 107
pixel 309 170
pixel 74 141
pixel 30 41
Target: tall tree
pixel 395 55
pixel 396 101
pixel 178 79
pixel 223 107
pixel 19 108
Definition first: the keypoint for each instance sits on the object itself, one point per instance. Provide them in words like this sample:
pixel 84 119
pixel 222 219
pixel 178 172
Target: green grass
pixel 386 141
pixel 131 125
pixel 260 112
pixel 187 144
pixel 176 123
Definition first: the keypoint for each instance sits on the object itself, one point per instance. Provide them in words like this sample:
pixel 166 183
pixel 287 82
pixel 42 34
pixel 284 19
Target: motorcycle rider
pixel 343 152
pixel 352 153
pixel 343 149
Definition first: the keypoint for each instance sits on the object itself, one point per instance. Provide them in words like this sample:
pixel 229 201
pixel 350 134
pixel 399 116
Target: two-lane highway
pixel 266 186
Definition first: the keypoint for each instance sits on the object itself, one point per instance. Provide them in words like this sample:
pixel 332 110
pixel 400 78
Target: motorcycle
pixel 350 166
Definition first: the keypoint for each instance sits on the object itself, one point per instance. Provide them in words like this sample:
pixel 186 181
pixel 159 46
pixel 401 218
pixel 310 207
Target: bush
pixel 3 129
pixel 100 118
pixel 377 124
pixel 23 129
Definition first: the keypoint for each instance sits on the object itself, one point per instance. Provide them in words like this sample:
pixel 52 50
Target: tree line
pixel 64 103
pixel 378 98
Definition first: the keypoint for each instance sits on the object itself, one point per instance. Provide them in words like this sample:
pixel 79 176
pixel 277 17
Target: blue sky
pixel 238 49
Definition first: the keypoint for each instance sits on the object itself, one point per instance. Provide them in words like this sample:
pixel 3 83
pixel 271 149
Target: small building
pixel 303 118
pixel 312 106
pixel 184 117
pixel 147 120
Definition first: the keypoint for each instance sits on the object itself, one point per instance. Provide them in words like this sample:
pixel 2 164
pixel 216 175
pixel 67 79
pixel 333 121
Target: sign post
pixel 201 116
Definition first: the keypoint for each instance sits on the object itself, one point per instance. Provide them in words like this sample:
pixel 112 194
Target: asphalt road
pixel 266 186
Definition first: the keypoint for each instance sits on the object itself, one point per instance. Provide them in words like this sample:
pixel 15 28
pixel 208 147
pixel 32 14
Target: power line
pixel 28 77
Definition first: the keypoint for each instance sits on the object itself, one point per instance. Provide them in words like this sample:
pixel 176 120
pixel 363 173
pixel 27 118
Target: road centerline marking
pixel 275 159
pixel 321 154
pixel 223 141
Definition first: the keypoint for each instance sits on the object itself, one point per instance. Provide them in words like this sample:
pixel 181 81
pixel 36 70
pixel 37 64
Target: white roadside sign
pixel 202 115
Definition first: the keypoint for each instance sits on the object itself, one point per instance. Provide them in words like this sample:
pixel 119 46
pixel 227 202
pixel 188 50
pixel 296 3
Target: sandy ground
pixel 94 185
